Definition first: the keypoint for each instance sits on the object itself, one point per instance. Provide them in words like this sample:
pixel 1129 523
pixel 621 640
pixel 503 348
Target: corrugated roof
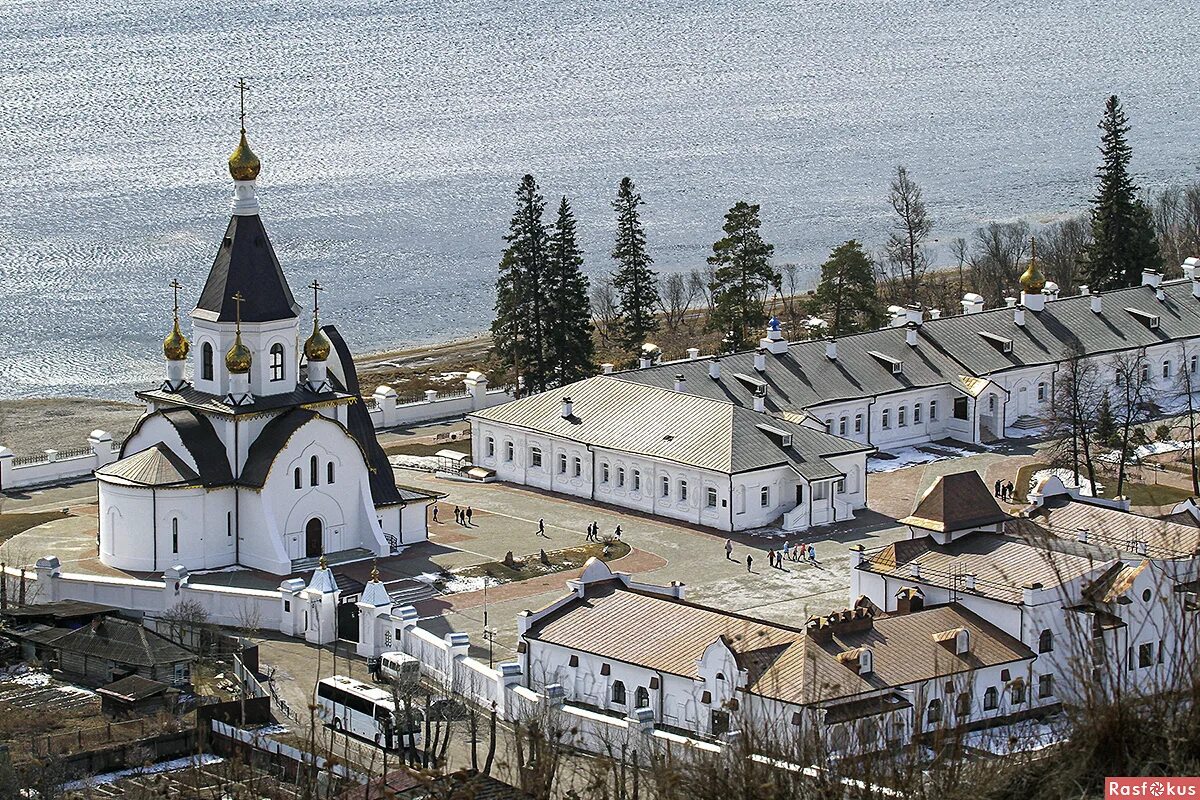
pixel 117 640
pixel 682 427
pixel 956 502
pixel 661 633
pixel 199 438
pixel 1117 529
pixel 157 465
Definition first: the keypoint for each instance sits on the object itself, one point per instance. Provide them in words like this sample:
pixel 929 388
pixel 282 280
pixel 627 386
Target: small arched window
pixel 764 497
pixel 991 699
pixel 1046 641
pixel 641 697
pixel 299 478
pixel 562 463
pixel 314 470
pixel 175 534
pixel 206 362
pixel 934 713
pixel 683 491
pixel 618 693
pixel 329 472
pixel 276 362
pixel 1166 368
pixel 535 456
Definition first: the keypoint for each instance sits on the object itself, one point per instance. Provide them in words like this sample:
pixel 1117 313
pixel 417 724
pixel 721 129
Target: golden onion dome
pixel 243 164
pixel 237 360
pixel 317 347
pixel 1032 280
pixel 175 346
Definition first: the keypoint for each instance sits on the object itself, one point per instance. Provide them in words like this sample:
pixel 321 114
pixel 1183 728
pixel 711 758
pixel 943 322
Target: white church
pixel 266 457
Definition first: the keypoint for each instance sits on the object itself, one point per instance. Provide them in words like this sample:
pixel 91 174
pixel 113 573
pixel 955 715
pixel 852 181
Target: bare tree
pixel 676 296
pixel 1184 396
pixel 997 255
pixel 606 308
pixel 1132 399
pixel 1073 411
pixel 1176 215
pixel 1062 247
pixel 906 245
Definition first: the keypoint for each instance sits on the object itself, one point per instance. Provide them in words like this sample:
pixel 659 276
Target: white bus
pixel 367 712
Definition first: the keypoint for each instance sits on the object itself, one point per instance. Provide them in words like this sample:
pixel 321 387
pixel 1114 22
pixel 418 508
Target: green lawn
pixel 1142 494
pixel 12 524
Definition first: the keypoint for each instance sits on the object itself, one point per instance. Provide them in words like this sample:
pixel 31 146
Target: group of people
pixel 461 515
pixel 1004 490
pixel 593 532
pixel 776 557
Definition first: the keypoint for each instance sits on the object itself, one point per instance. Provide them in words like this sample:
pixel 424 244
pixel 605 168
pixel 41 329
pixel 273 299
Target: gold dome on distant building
pixel 237 360
pixel 317 347
pixel 1032 280
pixel 175 346
pixel 243 164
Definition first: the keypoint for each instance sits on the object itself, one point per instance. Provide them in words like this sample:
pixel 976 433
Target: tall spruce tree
pixel 742 275
pixel 1123 243
pixel 572 351
pixel 846 295
pixel 520 327
pixel 635 282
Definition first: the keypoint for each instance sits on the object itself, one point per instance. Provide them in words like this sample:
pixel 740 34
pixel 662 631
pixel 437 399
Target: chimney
pixel 714 368
pixel 910 334
pixel 914 315
pixel 693 353
pixel 645 362
pixel 914 569
pixel 1083 290
pixel 831 349
pixel 1082 535
pixel 1010 302
pixel 1095 302
pixel 972 303
pixel 898 315
pixel 1160 294
pixel 1189 267
pixel 760 400
pixel 1139 548
pixel 1151 278
pixel 606 368
pixel 969 582
pixel 1019 316
pixel 1196 286
pixel 760 360
pixel 680 382
pixel 909 600
pixel 1027 596
pixel 935 313
pixel 568 408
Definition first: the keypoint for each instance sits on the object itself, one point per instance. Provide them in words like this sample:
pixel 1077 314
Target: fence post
pixel 6 467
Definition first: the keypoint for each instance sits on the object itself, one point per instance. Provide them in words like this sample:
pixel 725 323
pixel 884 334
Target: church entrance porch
pixel 313 538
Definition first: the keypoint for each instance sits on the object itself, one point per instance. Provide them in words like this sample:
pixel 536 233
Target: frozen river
pixel 392 136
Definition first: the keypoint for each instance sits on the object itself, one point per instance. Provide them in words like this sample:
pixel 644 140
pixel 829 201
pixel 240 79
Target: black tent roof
pixel 246 263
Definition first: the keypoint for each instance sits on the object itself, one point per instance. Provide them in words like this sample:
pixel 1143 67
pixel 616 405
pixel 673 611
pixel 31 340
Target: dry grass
pixel 19 522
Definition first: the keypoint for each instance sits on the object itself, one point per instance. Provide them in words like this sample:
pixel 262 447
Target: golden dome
pixel 243 164
pixel 175 346
pixel 317 347
pixel 1032 280
pixel 237 360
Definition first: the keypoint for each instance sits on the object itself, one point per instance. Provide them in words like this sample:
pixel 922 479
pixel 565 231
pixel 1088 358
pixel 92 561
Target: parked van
pixel 397 666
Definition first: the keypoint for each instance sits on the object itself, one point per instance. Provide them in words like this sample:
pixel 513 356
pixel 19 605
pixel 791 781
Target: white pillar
pixel 102 446
pixel 477 384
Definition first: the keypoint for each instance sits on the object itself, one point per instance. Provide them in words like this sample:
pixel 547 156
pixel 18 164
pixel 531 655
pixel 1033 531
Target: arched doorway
pixel 312 538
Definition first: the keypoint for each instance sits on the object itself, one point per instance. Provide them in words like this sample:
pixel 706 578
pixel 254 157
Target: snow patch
pixel 1069 479
pixel 912 456
pixel 154 769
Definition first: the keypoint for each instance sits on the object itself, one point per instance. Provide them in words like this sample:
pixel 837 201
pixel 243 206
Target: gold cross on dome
pixel 241 87
pixel 316 287
pixel 176 286
pixel 237 298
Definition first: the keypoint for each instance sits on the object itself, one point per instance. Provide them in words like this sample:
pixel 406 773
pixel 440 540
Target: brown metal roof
pixel 668 635
pixel 956 502
pixel 1118 529
pixel 157 465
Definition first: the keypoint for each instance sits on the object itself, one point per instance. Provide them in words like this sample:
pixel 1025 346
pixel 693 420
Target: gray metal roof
pixel 157 465
pixel 681 427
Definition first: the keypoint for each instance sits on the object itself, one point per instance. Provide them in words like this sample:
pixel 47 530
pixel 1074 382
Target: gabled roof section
pixel 274 437
pixel 200 438
pixel 115 639
pixel 157 465
pixel 956 502
pixel 246 263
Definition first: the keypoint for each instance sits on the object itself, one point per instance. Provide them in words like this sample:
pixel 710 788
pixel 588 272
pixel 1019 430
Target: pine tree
pixel 742 275
pixel 572 350
pixel 520 327
pixel 1123 243
pixel 846 294
pixel 635 282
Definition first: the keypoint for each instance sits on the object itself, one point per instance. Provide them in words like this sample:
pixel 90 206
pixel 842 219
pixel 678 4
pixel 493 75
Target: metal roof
pixel 956 502
pixel 246 263
pixel 157 465
pixel 200 439
pixel 680 427
pixel 1117 529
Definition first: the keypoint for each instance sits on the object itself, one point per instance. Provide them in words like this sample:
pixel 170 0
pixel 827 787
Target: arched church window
pixel 618 693
pixel 329 472
pixel 299 478
pixel 206 362
pixel 174 534
pixel 276 362
pixel 314 468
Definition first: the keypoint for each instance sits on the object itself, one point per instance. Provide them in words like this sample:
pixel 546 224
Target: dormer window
pixel 1145 317
pixel 866 663
pixel 894 364
pixel 1001 343
pixel 781 437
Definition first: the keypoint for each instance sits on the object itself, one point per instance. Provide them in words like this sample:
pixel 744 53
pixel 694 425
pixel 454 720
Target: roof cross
pixel 238 298
pixel 316 287
pixel 176 286
pixel 241 87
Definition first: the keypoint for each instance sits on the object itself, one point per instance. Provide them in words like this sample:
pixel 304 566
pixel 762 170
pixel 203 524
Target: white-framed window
pixel 276 362
pixel 991 699
pixel 620 477
pixel 1193 362
pixel 666 486
pixel 900 416
pixel 885 419
pixel 1166 368
pixel 840 486
pixel 916 413
pixel 710 497
pixel 1145 371
pixel 562 463
pixel 933 410
pixel 535 456
pixel 508 451
pixel 858 420
pixel 820 490
pixel 842 425
pixel 578 467
pixel 637 480
pixel 764 497
pixel 682 491
pixel 491 447
pixel 604 472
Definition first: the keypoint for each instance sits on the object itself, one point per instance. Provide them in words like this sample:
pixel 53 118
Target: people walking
pixel 617 533
pixel 729 549
pixel 542 528
pixel 589 533
pixel 458 515
pixel 595 531
pixel 812 554
pixel 435 513
pixel 999 487
pixel 469 512
pixel 749 562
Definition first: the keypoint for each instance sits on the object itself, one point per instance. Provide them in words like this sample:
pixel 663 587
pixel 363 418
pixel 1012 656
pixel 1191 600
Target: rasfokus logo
pixel 1152 788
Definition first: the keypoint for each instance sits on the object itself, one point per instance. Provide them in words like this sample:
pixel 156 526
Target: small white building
pixel 673 453
pixel 859 680
pixel 266 456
